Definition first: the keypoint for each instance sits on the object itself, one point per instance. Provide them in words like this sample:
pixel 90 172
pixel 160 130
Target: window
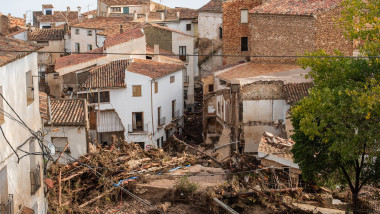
pixel 77 47
pixel 29 88
pixel 173 109
pixel 172 79
pixel 185 94
pixel 136 89
pixel 137 121
pixel 115 9
pixel 44 43
pixel 77 31
pixel 161 121
pixel 156 87
pixel 182 53
pixel 244 43
pixel 220 33
pixel 222 82
pixel 89 47
pixel 93 97
pixel 244 16
pixel 89 33
pixel 211 88
pixel 188 27
pixel 219 107
pixel 46 27
pixel 1 106
pixel 48 12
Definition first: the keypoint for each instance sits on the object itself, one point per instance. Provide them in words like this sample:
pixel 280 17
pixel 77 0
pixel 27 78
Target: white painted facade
pixel 14 175
pixel 21 36
pixel 50 24
pixel 83 39
pixel 181 25
pixel 209 24
pixel 124 104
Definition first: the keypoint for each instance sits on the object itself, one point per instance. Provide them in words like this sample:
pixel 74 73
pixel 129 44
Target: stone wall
pixel 280 35
pixel 233 29
pixel 15 21
pixel 263 90
pixel 329 35
pixel 4 24
pixel 158 36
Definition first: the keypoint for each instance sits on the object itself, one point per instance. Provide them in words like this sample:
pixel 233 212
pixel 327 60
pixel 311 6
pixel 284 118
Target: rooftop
pixel 153 69
pixel 123 37
pixel 295 7
pixel 47 34
pixel 75 59
pixel 58 16
pixel 296 91
pixel 47 6
pixel 101 23
pixel 213 6
pixel 7 45
pixel 68 112
pixel 110 75
pixel 124 2
pixel 185 13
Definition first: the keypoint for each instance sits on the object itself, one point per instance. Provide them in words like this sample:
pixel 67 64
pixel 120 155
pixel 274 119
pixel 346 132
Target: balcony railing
pixel 185 79
pixel 35 179
pixel 7 207
pixel 161 122
pixel 135 129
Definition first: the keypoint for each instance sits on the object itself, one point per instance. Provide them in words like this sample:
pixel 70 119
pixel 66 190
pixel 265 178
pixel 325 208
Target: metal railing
pixel 161 121
pixel 7 207
pixel 35 179
pixel 136 129
pixel 185 79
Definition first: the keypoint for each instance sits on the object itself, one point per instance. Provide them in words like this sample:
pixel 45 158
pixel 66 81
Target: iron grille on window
pixel 7 207
pixel 35 179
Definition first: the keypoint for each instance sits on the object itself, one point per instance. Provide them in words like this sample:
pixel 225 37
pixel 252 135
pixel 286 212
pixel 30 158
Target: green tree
pixel 337 128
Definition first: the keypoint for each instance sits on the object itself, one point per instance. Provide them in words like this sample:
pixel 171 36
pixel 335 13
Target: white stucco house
pixel 210 20
pixel 48 17
pixel 111 8
pixel 186 22
pixel 140 101
pixel 68 123
pixel 21 174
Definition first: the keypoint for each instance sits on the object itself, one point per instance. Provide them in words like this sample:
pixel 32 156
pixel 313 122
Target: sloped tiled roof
pixel 213 6
pixel 100 22
pixel 110 75
pixel 8 45
pixel 153 69
pixel 68 112
pixel 185 13
pixel 44 106
pixel 124 37
pixel 47 6
pixel 47 34
pixel 296 91
pixel 58 16
pixel 295 7
pixel 75 59
pixel 124 2
pixel 114 28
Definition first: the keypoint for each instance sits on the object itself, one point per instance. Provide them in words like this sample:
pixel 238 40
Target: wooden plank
pixel 59 189
pixel 63 151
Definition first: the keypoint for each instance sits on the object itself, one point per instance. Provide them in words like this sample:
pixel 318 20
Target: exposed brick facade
pixel 233 29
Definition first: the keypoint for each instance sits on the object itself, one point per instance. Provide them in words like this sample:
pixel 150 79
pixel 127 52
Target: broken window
pixel 211 88
pixel 244 43
pixel 244 16
pixel 136 90
pixel 1 106
pixel 172 79
pixel 29 88
pixel 182 53
pixel 156 87
pixel 138 121
pixel 188 27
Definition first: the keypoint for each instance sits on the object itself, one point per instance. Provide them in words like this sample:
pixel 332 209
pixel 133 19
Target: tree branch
pixel 347 178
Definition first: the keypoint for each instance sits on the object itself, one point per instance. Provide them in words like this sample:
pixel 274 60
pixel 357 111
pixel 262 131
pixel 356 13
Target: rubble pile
pixel 194 120
pixel 78 186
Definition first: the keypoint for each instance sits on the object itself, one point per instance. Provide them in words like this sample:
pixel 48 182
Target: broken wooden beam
pixel 63 151
pixel 92 200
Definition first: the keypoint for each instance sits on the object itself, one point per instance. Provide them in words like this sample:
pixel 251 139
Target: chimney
pixel 162 16
pixel 134 16
pixel 121 29
pixel 79 13
pixel 177 14
pixel 146 17
pixel 156 56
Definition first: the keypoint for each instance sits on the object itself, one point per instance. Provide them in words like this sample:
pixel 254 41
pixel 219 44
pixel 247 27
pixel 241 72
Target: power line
pixel 218 55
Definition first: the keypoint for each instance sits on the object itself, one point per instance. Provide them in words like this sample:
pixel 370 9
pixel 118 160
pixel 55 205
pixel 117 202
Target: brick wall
pixel 280 35
pixel 329 36
pixel 233 29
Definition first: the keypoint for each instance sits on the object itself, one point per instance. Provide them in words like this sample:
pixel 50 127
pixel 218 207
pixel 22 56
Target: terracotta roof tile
pixel 247 70
pixel 114 28
pixel 124 37
pixel 110 75
pixel 16 30
pixel 296 91
pixel 295 7
pixel 58 16
pixel 47 6
pixel 124 2
pixel 7 45
pixel 213 6
pixel 75 59
pixel 44 106
pixel 47 34
pixel 68 112
pixel 185 13
pixel 153 69
pixel 101 22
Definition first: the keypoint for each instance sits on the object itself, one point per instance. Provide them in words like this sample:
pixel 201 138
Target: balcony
pixel 35 179
pixel 7 207
pixel 161 122
pixel 136 129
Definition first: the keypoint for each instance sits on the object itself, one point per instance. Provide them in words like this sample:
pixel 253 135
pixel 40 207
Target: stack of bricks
pixel 233 29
